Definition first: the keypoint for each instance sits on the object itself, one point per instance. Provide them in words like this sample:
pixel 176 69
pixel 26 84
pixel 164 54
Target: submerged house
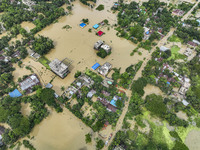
pixel 104 69
pixel 59 68
pixel 98 44
pixel 106 48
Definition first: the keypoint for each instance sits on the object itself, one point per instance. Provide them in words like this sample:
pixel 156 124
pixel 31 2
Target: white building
pixel 105 68
pixel 107 48
pixel 59 68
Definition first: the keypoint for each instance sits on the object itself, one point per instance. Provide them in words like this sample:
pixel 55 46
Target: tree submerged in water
pixel 67 27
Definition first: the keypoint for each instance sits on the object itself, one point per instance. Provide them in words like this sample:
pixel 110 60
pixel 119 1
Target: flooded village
pixel 92 72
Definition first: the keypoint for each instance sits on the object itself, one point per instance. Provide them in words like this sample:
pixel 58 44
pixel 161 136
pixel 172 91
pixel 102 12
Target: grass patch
pixel 100 7
pixel 175 53
pixel 139 121
pixel 45 62
pixel 174 38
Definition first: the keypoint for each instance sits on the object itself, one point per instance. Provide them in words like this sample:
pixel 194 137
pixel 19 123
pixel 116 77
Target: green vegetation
pixel 85 2
pixel 155 105
pixel 102 53
pixel 100 144
pixel 42 45
pixel 174 38
pixel 44 61
pixel 67 27
pixel 85 20
pixel 175 54
pixel 132 18
pixel 28 145
pixel 88 138
pixel 100 7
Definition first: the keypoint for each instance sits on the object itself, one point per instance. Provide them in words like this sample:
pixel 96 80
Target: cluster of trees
pixel 6 79
pixel 125 79
pixel 134 109
pixel 97 120
pixel 195 9
pixel 154 68
pixel 85 2
pixel 102 53
pixel 193 23
pixel 193 95
pixel 10 109
pixel 187 34
pixel 42 45
pixel 155 104
pixel 133 13
pixel 138 140
pixel 185 6
pixel 28 145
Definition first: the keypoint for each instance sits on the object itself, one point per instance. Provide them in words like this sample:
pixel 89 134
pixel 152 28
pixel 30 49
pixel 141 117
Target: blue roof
pixel 82 25
pixel 147 32
pixel 15 93
pixel 113 102
pixel 168 82
pixel 96 26
pixel 95 66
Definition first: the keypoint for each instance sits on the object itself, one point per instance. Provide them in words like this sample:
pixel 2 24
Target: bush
pixel 102 53
pixel 88 138
pixel 100 144
pixel 100 7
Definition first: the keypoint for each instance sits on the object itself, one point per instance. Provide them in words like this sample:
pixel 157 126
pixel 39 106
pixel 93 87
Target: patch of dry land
pixel 192 140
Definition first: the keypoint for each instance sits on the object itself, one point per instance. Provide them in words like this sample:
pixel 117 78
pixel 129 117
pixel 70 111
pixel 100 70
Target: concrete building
pixel 59 68
pixel 107 48
pixel 98 44
pixel 28 83
pixel 105 68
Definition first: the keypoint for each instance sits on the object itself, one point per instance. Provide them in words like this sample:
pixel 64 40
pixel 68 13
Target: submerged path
pixel 139 74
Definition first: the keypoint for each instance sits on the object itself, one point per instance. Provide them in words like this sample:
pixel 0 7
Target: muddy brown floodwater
pixel 64 131
pixel 77 43
pixel 60 131
pixel 150 89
